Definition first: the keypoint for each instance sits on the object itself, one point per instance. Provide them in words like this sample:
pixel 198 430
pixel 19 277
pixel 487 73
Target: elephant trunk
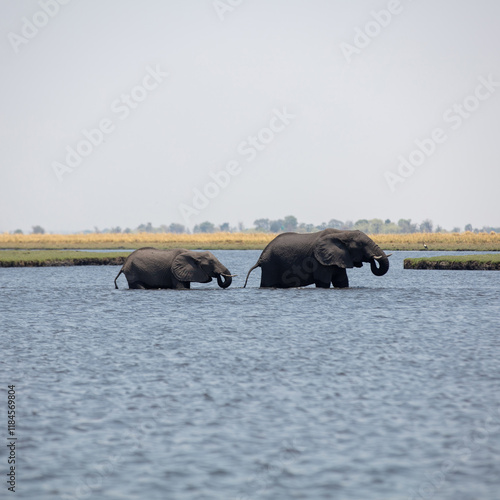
pixel 224 280
pixel 383 264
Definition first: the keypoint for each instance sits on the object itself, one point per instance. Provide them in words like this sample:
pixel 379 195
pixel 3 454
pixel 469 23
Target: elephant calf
pixel 152 268
pixel 293 260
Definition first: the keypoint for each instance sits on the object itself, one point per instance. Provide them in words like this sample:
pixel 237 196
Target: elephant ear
pixel 332 251
pixel 185 268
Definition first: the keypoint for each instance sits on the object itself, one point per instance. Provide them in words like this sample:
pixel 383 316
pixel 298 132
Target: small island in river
pixel 44 258
pixel 479 262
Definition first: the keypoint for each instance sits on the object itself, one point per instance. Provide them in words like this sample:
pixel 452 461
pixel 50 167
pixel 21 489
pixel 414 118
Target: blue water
pixel 387 390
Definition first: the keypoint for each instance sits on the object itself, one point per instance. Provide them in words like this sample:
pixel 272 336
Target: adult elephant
pixel 152 268
pixel 292 259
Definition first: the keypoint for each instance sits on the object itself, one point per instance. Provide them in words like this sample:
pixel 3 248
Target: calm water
pixel 387 390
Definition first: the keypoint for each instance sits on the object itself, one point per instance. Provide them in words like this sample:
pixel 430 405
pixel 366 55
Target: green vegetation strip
pixel 484 262
pixel 42 258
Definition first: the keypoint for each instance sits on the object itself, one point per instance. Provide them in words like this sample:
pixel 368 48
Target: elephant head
pixel 347 249
pixel 201 267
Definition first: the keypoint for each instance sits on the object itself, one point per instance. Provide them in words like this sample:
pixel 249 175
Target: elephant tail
pixel 254 267
pixel 121 271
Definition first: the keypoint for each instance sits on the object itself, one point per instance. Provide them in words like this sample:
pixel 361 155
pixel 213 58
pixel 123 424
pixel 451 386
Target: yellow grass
pixel 136 240
pixel 439 241
pixel 415 241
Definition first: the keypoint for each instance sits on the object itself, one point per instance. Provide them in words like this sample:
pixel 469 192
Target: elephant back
pixel 289 247
pixel 151 266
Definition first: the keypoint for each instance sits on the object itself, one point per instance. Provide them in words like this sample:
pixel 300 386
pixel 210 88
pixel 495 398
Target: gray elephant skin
pixel 294 260
pixel 151 268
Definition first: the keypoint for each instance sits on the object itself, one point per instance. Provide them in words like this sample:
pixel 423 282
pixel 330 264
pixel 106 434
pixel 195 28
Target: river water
pixel 387 390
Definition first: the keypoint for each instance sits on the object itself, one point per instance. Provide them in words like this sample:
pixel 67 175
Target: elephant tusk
pixel 378 257
pixel 229 275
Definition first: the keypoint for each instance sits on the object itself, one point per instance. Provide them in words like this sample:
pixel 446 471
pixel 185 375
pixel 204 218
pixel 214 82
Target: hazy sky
pixel 121 112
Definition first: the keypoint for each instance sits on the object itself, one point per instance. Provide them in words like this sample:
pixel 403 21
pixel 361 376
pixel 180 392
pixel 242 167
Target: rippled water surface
pixel 387 390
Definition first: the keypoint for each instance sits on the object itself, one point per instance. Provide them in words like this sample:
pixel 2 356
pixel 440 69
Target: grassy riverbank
pixel 485 262
pixel 238 241
pixel 212 241
pixel 42 258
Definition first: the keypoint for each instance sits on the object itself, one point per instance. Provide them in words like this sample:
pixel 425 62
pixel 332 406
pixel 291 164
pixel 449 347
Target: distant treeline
pixel 290 223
